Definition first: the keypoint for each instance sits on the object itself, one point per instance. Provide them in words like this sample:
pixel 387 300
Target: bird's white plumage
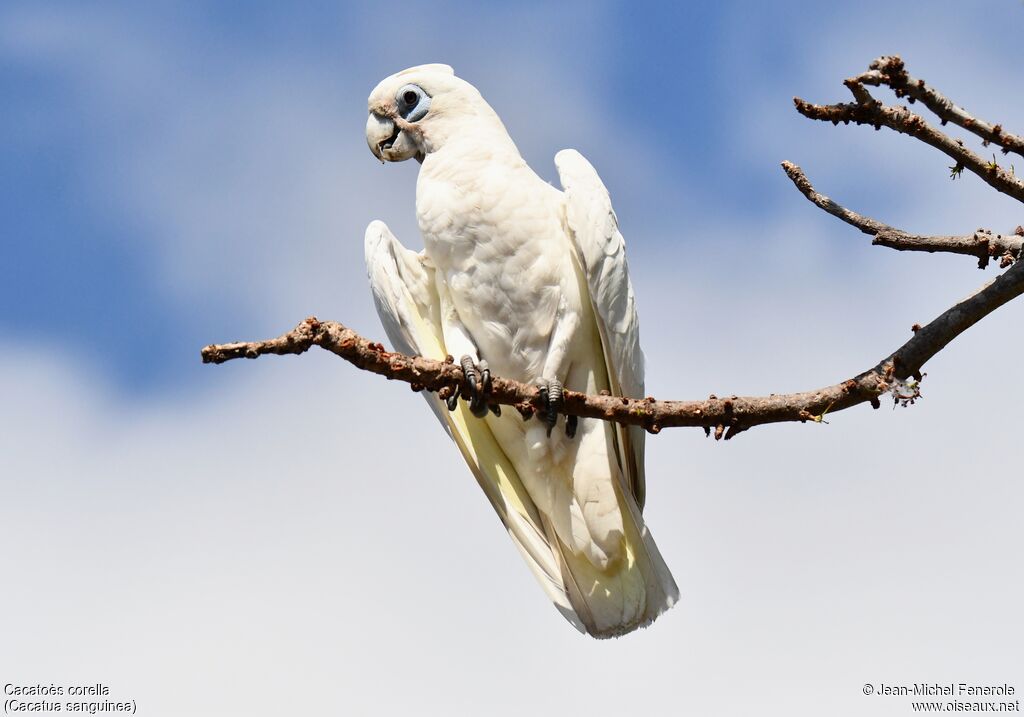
pixel 533 280
pixel 595 230
pixel 403 290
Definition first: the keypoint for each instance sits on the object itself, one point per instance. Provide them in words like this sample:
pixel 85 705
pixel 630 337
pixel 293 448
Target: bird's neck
pixel 463 161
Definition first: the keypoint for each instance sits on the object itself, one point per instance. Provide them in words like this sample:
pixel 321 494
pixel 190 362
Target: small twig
pixel 889 70
pixel 865 224
pixel 726 416
pixel 869 111
pixel 982 244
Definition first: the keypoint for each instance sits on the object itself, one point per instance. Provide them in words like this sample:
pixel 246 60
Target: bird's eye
pixel 413 103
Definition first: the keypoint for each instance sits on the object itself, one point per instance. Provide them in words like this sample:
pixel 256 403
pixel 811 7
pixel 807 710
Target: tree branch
pixel 867 110
pixel 889 70
pixel 982 244
pixel 726 416
pixel 898 374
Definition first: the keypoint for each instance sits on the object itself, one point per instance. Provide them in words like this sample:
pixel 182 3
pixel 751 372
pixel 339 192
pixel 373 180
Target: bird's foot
pixel 551 394
pixel 478 377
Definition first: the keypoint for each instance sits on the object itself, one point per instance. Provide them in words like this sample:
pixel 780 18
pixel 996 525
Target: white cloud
pixel 303 538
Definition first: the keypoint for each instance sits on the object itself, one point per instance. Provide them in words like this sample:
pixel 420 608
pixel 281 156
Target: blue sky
pixel 123 133
pixel 181 173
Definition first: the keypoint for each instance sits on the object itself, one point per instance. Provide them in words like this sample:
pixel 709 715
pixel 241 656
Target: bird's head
pixel 414 112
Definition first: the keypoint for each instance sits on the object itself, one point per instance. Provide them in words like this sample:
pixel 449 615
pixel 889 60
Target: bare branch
pixel 726 416
pixel 889 70
pixel 869 111
pixel 865 224
pixel 898 374
pixel 982 244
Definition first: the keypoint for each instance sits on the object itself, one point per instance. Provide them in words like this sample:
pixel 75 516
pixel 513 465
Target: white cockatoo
pixel 530 282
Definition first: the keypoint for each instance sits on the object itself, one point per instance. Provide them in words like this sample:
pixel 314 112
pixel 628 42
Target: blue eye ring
pixel 413 103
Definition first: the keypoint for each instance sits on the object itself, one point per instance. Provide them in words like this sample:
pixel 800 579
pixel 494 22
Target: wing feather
pixel 595 230
pixel 406 298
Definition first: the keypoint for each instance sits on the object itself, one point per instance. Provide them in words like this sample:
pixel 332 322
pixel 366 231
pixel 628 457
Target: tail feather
pixel 628 593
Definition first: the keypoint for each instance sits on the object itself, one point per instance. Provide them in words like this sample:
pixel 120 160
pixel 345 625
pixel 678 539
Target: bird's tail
pixel 629 592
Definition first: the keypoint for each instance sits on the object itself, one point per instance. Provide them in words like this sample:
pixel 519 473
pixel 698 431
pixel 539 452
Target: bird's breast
pixel 497 240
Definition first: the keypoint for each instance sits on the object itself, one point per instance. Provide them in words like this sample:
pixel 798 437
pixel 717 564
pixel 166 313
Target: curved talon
pixel 479 403
pixel 478 377
pixel 554 403
pixel 485 377
pixel 453 401
pixel 485 390
pixel 571 422
pixel 477 407
pixel 551 396
pixel 469 371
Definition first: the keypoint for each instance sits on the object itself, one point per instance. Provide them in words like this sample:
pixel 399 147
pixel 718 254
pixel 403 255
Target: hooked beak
pixel 387 141
pixel 381 133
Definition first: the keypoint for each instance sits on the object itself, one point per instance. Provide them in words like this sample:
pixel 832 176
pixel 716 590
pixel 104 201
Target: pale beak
pixel 381 134
pixel 387 141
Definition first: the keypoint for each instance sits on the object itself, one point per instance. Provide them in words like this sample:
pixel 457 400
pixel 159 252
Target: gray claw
pixel 485 377
pixel 551 395
pixel 479 405
pixel 471 373
pixel 485 390
pixel 453 401
pixel 478 376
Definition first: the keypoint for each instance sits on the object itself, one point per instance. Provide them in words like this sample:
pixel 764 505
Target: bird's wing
pixel 602 251
pixel 404 290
